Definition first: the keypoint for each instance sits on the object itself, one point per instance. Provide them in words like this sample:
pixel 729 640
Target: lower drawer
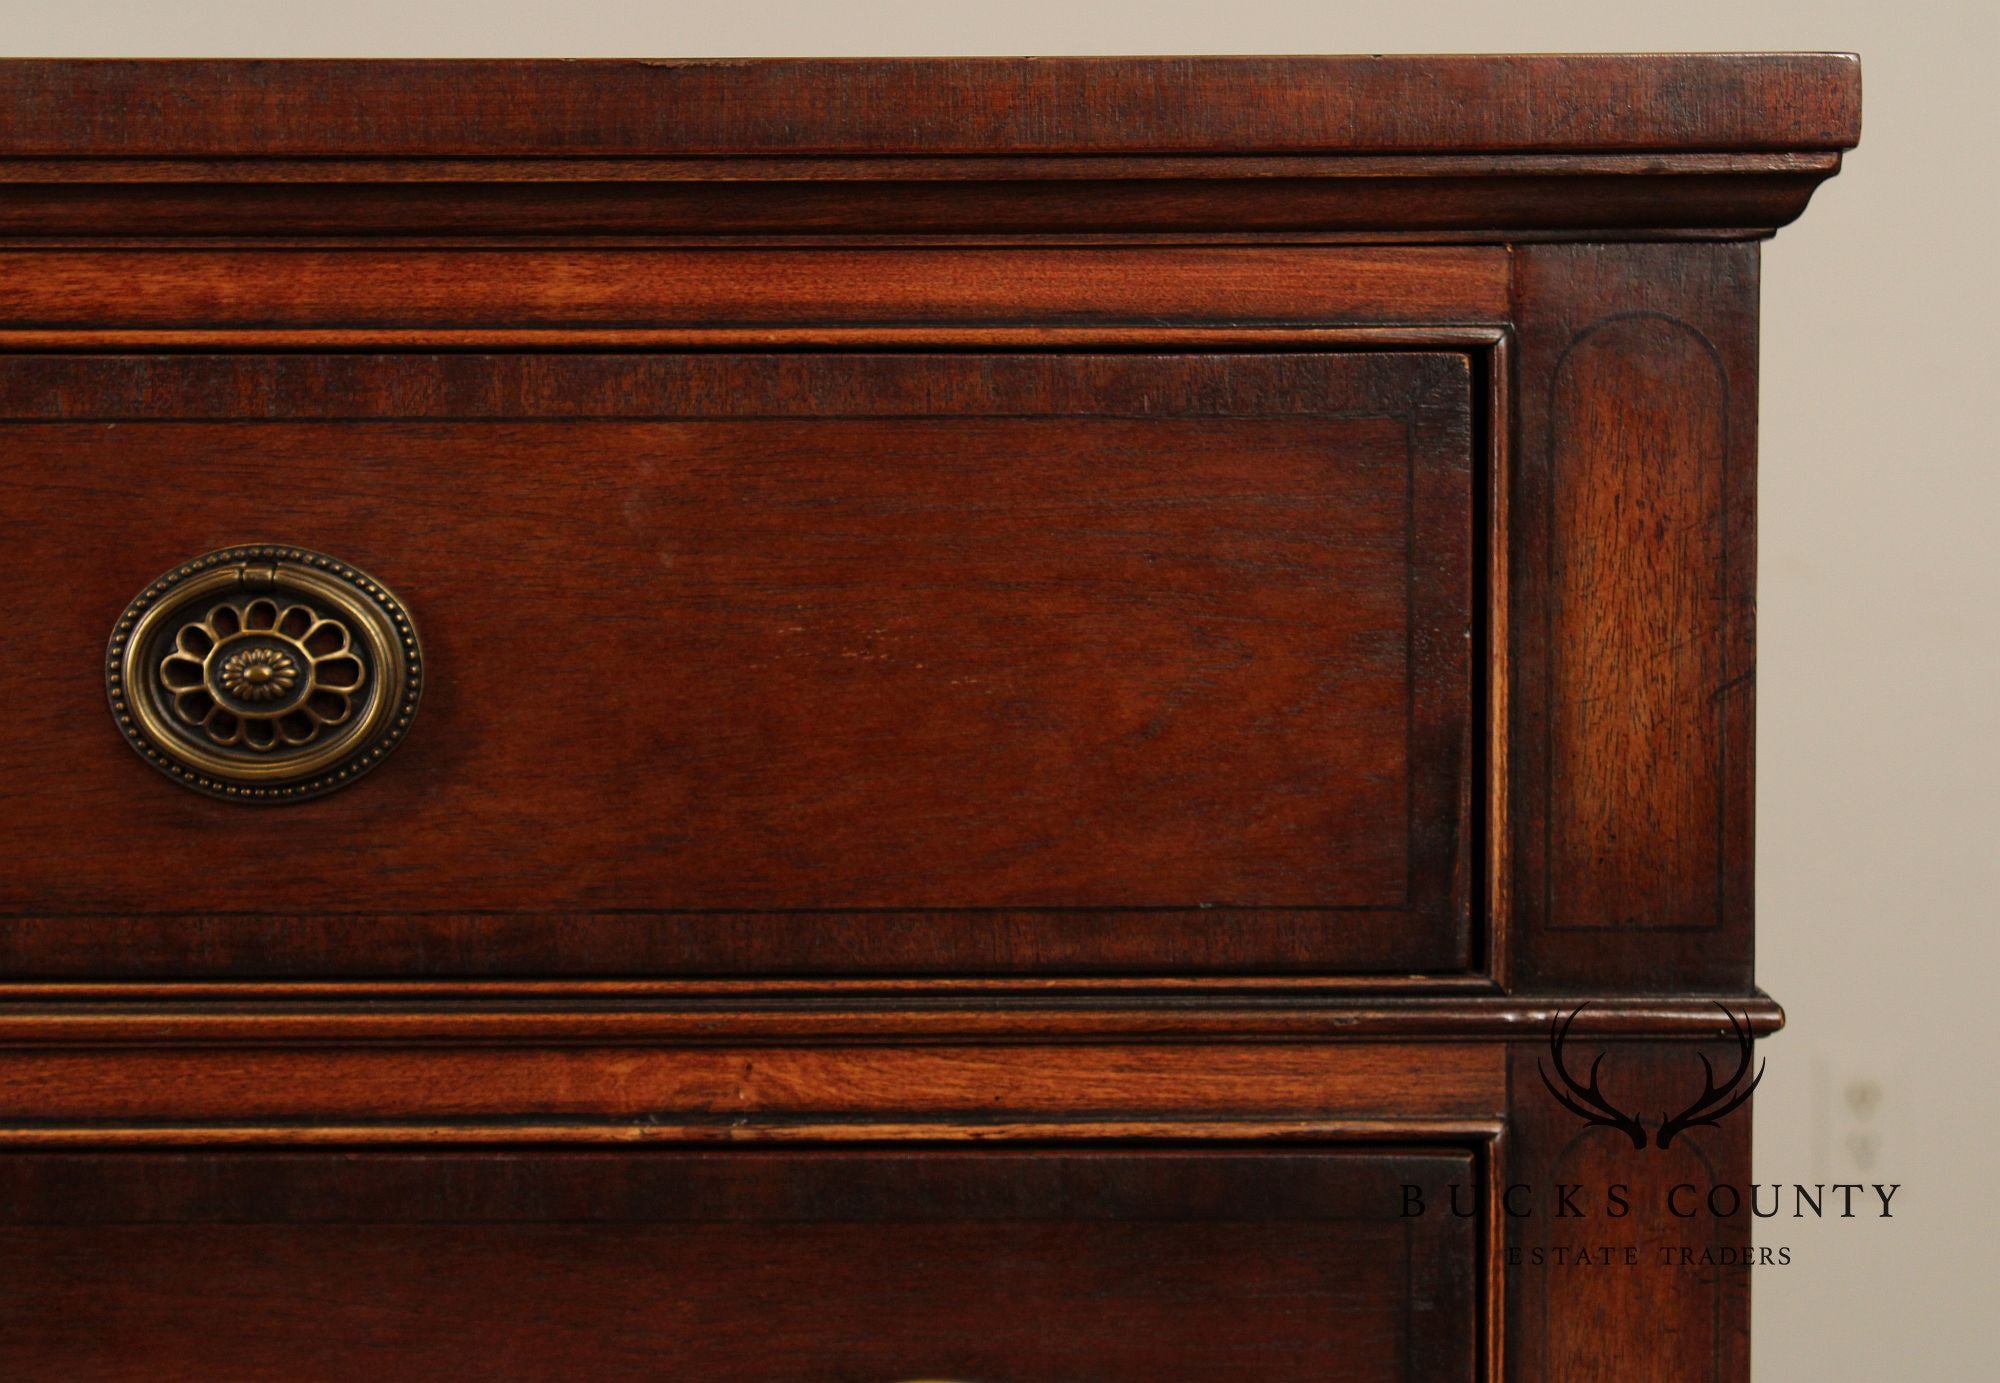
pixel 934 1263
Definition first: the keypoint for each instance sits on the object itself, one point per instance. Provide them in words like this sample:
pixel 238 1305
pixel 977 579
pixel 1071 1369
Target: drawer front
pixel 1196 1265
pixel 801 664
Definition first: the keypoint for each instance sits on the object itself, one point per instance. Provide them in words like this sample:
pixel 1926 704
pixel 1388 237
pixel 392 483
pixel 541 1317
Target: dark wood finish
pixel 1687 101
pixel 432 298
pixel 616 1087
pixel 1680 145
pixel 1342 197
pixel 899 1263
pixel 676 1011
pixel 1673 1314
pixel 1634 532
pixel 796 664
pixel 690 995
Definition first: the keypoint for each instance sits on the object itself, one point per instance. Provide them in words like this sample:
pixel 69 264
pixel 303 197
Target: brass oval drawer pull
pixel 264 673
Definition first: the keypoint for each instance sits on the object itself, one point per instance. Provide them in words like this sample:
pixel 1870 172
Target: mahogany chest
pixel 992 719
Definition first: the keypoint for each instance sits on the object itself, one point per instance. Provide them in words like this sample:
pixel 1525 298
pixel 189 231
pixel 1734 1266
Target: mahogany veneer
pixel 1039 680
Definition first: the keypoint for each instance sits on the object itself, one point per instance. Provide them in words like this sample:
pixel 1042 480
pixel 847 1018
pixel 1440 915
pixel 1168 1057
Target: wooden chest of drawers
pixel 869 720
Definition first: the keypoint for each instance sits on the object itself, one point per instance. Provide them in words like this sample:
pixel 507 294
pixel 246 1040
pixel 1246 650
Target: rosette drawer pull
pixel 264 673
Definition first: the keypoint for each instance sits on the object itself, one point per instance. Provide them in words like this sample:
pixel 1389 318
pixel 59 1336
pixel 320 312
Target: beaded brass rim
pixel 264 673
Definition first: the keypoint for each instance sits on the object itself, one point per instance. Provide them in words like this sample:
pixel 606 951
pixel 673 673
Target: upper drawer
pixel 776 664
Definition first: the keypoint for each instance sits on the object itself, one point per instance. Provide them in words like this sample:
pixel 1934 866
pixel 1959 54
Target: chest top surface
pixel 1443 146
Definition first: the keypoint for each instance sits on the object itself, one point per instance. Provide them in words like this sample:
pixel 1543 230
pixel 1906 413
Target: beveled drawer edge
pixel 1489 345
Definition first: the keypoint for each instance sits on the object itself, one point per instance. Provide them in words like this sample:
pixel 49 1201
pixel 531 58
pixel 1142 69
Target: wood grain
pixel 1260 105
pixel 1050 672
pixel 526 287
pixel 1658 1320
pixel 910 1263
pixel 617 1086
pixel 621 1012
pixel 719 639
pixel 1363 149
pixel 1633 541
pixel 1451 197
pixel 1639 411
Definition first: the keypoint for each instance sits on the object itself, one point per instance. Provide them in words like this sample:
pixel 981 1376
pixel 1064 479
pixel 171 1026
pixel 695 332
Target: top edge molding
pixel 955 107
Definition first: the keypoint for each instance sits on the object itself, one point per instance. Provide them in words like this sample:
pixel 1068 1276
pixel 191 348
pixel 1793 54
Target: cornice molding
pixel 1576 103
pixel 1453 148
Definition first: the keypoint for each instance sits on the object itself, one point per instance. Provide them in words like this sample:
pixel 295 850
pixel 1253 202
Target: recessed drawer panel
pixel 1031 1266
pixel 774 664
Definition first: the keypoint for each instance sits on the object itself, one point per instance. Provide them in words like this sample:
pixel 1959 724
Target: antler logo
pixel 1587 1102
pixel 1590 1104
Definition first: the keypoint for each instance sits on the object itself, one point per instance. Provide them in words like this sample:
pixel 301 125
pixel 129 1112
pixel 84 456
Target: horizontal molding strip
pixel 1479 198
pixel 931 106
pixel 758 339
pixel 620 290
pixel 760 1131
pixel 245 172
pixel 1470 148
pixel 635 1082
pixel 909 1021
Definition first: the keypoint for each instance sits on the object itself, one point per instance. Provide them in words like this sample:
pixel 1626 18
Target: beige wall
pixel 1877 767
